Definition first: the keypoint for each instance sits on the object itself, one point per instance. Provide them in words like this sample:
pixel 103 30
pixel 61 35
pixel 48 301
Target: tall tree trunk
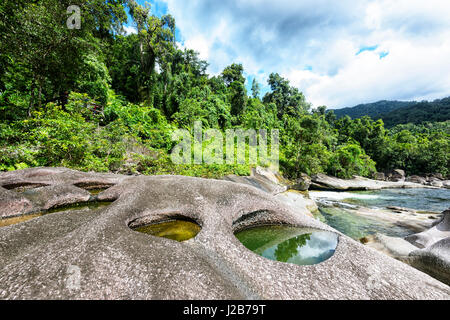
pixel 30 106
pixel 40 95
pixel 141 52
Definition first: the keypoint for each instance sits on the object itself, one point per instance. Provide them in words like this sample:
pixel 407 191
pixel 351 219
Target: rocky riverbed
pixel 95 253
pixel 386 216
pixel 372 218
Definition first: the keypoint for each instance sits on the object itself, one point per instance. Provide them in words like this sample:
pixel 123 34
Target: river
pixel 361 213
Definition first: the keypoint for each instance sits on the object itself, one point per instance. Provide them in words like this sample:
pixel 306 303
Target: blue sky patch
pixel 368 48
pixel 383 54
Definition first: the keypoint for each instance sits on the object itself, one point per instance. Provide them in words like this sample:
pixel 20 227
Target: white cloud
pixel 409 72
pixel 129 30
pixel 199 44
pixel 324 36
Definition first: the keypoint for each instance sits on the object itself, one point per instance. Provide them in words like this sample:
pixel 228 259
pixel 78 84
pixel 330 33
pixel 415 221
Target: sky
pixel 338 53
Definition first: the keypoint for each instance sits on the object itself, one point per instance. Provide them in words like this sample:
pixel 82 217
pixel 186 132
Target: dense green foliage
pixel 96 99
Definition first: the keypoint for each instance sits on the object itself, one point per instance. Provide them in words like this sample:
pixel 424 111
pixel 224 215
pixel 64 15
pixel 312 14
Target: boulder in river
pixel 302 183
pixel 436 183
pixel 96 255
pixel 434 260
pixel 446 184
pixel 396 175
pixel 435 176
pixel 416 179
pixel 298 202
pixel 434 255
pixel 379 176
pixel 439 231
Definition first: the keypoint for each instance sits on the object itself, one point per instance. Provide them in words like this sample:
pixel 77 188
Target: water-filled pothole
pixel 179 230
pixel 95 192
pixel 301 246
pixel 4 222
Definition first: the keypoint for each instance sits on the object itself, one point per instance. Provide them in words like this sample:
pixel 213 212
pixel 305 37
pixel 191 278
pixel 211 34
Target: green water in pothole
pixel 15 220
pixel 89 205
pixel 301 246
pixel 178 230
pixel 19 219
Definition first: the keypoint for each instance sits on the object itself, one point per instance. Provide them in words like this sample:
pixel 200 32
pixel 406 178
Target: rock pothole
pixel 93 205
pixel 179 229
pixel 300 246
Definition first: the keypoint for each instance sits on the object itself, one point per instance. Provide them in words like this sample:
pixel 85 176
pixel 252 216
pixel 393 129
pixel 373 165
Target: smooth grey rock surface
pixel 434 260
pixel 46 188
pixel 438 232
pixel 39 177
pixel 436 183
pixel 298 202
pixel 395 247
pixel 428 251
pixel 262 179
pixel 45 198
pixel 12 203
pixel 95 255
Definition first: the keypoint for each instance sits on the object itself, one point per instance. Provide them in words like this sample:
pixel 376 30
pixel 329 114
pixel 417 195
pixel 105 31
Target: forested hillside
pixel 399 112
pixel 374 110
pixel 435 111
pixel 97 99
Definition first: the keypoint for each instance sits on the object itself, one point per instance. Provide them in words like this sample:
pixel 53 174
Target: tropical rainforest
pixel 97 99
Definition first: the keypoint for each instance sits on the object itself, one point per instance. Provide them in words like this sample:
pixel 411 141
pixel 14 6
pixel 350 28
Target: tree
pixel 47 53
pixel 156 46
pixel 289 100
pixel 350 159
pixel 256 89
pixel 235 81
pixel 259 116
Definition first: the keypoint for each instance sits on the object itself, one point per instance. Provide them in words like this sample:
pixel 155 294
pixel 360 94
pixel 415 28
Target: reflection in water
pixel 289 248
pixel 178 230
pixel 290 244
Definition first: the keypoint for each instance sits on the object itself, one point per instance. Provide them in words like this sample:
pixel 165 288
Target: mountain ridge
pixel 394 112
